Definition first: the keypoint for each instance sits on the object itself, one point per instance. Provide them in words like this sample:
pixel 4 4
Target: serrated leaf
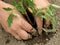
pixel 9 21
pixel 7 9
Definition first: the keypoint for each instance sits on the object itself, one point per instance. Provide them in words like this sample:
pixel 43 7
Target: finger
pixel 23 34
pixel 27 27
pixel 39 24
pixel 13 33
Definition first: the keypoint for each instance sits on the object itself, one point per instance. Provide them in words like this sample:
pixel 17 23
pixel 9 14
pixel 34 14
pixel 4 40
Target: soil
pixel 51 39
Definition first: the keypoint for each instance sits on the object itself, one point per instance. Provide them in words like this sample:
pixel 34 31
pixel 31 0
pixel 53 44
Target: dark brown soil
pixel 51 39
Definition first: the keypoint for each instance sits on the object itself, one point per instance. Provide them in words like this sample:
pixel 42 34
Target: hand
pixel 19 26
pixel 42 4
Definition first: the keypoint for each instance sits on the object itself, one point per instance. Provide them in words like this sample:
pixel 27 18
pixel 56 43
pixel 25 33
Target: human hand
pixel 43 4
pixel 19 26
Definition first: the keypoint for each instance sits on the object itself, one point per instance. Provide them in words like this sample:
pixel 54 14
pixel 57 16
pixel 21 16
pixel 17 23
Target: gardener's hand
pixel 42 4
pixel 19 26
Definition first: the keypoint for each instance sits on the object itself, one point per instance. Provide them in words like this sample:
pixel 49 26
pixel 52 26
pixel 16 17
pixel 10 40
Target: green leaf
pixel 50 11
pixel 20 8
pixel 51 7
pixel 9 21
pixel 14 2
pixel 25 3
pixel 52 17
pixel 7 9
pixel 28 3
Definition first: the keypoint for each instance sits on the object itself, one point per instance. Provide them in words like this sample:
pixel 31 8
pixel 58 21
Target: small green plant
pixel 48 13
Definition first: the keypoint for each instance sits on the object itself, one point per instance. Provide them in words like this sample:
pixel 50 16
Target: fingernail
pixel 29 37
pixel 34 32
